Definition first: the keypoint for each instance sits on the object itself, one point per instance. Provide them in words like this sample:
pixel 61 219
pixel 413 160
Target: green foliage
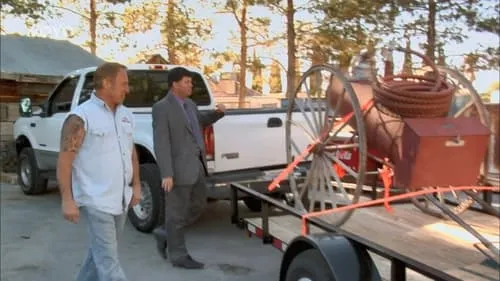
pixel 256 67
pixel 137 17
pixel 256 28
pixel 97 17
pixel 219 59
pixel 30 8
pixel 344 28
pixel 446 21
pixel 183 34
pixel 484 60
pixel 355 19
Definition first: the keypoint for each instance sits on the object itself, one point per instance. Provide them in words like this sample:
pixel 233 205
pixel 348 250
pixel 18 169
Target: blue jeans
pixel 102 262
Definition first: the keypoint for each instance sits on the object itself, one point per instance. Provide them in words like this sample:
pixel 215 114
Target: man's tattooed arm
pixel 72 135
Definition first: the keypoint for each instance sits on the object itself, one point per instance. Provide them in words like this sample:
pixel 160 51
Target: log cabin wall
pixel 28 72
pixel 10 93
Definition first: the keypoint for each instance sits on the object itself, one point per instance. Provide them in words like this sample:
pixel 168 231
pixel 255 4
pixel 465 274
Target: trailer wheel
pixel 309 266
pixel 145 215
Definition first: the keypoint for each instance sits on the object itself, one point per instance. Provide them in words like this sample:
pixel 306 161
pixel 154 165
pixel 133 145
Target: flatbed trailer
pixel 373 244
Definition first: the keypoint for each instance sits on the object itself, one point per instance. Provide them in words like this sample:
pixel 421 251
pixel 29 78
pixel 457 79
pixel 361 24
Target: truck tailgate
pixel 252 140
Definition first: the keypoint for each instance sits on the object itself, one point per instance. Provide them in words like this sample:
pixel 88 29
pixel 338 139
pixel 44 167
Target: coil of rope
pixel 414 96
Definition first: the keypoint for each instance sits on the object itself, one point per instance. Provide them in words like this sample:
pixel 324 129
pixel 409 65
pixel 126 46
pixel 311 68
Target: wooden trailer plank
pixel 441 244
pixel 281 230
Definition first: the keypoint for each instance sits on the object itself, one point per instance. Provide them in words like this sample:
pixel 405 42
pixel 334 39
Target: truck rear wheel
pixel 146 215
pixel 309 265
pixel 28 174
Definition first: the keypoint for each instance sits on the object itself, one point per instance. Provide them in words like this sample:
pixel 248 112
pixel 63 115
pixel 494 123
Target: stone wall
pixel 9 112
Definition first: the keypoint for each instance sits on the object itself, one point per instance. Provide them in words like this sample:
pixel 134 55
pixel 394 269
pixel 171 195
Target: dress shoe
pixel 161 242
pixel 188 263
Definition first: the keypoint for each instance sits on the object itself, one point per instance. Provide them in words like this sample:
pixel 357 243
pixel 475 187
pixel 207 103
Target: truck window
pixel 61 99
pixel 147 87
pixel 87 88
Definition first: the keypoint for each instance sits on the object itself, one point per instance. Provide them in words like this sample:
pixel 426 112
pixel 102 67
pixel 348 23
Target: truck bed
pixel 440 244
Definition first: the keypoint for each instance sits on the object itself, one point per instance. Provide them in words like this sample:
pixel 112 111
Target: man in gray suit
pixel 180 152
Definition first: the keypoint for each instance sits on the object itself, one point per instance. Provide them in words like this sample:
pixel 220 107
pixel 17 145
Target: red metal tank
pixel 419 147
pixel 383 131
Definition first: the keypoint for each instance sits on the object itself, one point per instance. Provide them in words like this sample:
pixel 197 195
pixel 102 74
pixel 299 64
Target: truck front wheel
pixel 146 215
pixel 309 265
pixel 28 174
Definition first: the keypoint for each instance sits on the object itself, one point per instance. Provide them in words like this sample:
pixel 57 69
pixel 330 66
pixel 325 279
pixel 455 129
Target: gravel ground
pixel 37 244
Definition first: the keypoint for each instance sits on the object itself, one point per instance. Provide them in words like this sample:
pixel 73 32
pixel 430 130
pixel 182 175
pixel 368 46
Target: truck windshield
pixel 148 86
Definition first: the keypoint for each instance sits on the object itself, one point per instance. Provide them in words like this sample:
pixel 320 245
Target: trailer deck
pixel 434 247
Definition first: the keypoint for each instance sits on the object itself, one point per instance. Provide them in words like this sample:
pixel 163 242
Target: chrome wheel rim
pixel 26 172
pixel 144 208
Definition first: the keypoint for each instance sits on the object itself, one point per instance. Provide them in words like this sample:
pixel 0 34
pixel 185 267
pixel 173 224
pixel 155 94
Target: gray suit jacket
pixel 174 142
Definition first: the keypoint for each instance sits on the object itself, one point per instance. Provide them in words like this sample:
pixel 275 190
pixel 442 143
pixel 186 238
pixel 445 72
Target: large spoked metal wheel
pixel 314 120
pixel 466 102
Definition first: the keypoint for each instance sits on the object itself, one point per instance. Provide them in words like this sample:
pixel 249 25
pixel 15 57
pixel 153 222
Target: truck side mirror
pixel 25 107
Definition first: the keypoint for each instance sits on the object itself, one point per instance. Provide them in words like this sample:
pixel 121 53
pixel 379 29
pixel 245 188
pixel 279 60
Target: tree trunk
pixel 243 52
pixel 318 57
pixel 407 61
pixel 431 31
pixel 291 73
pixel 93 23
pixel 172 58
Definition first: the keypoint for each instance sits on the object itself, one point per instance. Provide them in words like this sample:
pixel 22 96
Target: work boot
pixel 188 263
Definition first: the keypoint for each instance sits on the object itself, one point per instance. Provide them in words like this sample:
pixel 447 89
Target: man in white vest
pixel 98 170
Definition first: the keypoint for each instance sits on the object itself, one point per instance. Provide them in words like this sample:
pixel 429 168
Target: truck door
pixel 48 128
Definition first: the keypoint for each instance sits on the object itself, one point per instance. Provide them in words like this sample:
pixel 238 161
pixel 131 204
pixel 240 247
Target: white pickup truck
pixel 242 146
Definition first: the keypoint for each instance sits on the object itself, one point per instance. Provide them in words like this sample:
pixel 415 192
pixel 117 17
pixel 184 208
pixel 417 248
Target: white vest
pixel 102 170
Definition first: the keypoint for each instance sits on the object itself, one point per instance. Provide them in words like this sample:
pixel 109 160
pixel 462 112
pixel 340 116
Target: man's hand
pixel 220 107
pixel 70 210
pixel 136 196
pixel 167 184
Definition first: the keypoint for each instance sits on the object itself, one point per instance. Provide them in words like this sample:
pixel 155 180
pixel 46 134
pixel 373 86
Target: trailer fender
pixel 346 260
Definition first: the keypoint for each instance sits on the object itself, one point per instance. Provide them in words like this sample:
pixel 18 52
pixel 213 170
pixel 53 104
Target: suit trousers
pixel 184 204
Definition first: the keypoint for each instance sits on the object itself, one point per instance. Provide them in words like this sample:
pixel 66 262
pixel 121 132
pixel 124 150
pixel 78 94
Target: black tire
pixel 146 215
pixel 309 264
pixel 28 173
pixel 253 204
